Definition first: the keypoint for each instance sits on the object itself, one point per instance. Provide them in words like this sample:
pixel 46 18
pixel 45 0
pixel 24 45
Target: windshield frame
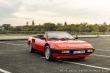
pixel 69 38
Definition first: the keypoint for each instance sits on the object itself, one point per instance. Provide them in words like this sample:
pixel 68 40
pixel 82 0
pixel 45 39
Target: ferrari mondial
pixel 59 44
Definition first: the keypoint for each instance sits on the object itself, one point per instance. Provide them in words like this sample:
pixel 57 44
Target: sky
pixel 18 12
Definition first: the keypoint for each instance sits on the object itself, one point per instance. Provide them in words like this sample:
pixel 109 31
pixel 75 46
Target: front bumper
pixel 59 54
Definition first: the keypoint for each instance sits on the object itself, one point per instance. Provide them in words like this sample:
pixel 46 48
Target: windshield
pixel 59 35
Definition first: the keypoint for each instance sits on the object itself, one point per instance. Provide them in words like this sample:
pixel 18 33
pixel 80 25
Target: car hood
pixel 70 45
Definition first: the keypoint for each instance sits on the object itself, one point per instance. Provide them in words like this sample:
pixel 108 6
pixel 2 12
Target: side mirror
pixel 76 37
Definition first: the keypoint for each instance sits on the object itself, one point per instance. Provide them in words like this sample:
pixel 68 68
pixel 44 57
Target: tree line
pixel 82 27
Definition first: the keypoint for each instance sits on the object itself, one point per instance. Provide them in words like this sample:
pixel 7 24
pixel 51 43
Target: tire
pixel 48 54
pixel 31 49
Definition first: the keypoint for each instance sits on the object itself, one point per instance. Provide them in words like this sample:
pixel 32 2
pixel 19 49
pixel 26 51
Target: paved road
pixel 15 58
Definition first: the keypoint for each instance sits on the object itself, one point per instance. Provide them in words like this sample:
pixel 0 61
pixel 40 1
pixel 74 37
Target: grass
pixel 18 34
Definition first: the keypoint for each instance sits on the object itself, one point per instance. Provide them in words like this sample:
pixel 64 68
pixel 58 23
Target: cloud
pixel 8 7
pixel 72 11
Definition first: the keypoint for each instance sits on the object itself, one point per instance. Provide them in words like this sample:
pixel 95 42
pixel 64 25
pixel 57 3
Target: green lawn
pixel 18 34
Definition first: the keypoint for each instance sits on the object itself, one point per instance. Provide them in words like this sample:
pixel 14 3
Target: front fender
pixel 51 45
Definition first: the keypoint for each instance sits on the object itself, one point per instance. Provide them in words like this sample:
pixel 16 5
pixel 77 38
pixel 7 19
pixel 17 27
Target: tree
pixel 7 26
pixel 49 26
pixel 59 24
pixel 41 28
pixel 104 23
pixel 27 23
pixel 74 27
pixel 108 28
pixel 82 27
pixel 95 28
pixel 33 23
pixel 65 24
pixel 17 28
pixel 103 28
pixel 89 28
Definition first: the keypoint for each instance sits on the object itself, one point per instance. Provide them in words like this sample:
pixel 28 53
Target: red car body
pixel 59 46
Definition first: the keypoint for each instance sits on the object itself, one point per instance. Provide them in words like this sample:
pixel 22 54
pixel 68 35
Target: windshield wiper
pixel 66 38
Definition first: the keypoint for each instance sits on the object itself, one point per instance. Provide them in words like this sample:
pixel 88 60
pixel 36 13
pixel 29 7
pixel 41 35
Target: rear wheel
pixel 48 54
pixel 31 49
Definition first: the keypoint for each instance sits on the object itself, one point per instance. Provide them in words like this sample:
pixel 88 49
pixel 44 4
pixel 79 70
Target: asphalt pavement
pixel 15 58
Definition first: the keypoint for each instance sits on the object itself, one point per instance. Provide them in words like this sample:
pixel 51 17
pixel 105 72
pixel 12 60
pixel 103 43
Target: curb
pixel 11 39
pixel 14 39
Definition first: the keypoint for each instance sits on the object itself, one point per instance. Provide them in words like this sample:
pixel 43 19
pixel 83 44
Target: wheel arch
pixel 46 45
pixel 50 56
pixel 51 45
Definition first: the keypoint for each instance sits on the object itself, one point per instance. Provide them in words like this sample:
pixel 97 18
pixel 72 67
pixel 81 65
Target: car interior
pixel 40 36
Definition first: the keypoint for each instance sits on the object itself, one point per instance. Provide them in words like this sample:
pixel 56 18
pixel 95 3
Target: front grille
pixel 72 52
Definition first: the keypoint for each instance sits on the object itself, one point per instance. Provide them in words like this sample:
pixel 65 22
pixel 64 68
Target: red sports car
pixel 59 44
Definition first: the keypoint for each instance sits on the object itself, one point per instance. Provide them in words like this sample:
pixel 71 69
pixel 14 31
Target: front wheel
pixel 48 54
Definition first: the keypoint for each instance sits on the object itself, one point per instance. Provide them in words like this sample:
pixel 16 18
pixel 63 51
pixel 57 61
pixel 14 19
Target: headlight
pixel 90 50
pixel 66 51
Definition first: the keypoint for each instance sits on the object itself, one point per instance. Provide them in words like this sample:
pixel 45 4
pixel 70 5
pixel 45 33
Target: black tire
pixel 31 49
pixel 48 54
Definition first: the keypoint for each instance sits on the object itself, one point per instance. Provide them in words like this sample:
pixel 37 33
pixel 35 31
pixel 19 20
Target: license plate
pixel 78 52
